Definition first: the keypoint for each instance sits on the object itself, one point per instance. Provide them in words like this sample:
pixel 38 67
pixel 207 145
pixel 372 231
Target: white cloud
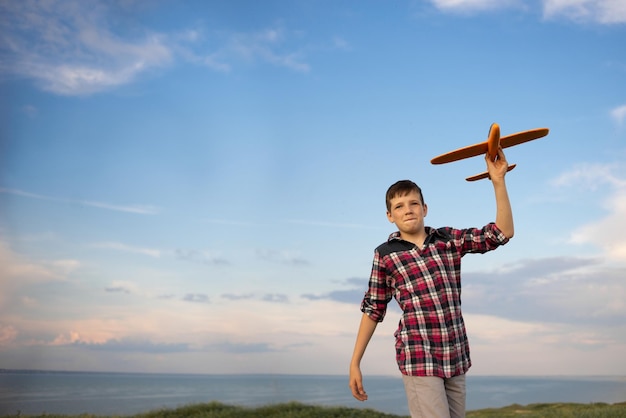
pixel 599 11
pixel 473 5
pixel 591 177
pixel 603 233
pixel 619 114
pixel 607 233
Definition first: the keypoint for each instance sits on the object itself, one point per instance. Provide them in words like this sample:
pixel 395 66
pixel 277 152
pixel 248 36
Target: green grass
pixel 298 410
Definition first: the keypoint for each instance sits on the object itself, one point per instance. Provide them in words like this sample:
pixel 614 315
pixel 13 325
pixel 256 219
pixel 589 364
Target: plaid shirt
pixel 431 338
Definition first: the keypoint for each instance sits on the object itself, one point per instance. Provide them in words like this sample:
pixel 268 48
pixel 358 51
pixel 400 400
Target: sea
pixel 73 393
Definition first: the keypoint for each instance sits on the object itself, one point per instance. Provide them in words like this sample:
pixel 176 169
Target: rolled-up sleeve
pixel 378 293
pixel 481 240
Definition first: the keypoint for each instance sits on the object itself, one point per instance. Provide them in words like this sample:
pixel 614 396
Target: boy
pixel 420 267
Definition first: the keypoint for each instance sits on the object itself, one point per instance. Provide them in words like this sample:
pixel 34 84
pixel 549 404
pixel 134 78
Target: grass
pixel 299 410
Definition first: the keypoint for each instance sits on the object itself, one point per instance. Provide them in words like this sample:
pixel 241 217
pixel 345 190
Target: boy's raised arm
pixel 504 214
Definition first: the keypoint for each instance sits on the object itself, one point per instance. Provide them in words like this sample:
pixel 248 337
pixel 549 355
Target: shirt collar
pixel 429 231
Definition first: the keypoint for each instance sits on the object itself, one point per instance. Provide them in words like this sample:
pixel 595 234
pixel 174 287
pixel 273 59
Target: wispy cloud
pixel 330 224
pixel 196 298
pixel 69 48
pixel 283 257
pixel 72 47
pixel 200 256
pixel 137 209
pixel 598 11
pixel 129 248
pixel 270 45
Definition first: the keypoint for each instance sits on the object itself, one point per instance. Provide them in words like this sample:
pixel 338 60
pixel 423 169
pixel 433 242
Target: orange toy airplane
pixel 490 147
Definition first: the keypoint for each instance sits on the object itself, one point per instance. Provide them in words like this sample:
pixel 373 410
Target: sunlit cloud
pixel 7 334
pixel 599 11
pixel 17 270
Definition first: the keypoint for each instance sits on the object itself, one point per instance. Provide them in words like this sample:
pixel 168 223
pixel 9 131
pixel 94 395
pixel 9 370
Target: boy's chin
pixel 411 231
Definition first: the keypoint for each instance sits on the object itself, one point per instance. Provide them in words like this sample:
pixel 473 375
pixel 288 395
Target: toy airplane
pixel 490 147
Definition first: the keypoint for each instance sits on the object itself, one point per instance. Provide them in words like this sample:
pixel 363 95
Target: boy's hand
pixel 356 384
pixel 497 169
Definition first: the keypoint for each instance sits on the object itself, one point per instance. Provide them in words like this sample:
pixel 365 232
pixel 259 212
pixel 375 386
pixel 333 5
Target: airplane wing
pixel 461 153
pixel 481 149
pixel 521 137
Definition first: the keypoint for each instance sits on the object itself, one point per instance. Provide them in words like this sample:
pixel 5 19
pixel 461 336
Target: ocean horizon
pixel 117 393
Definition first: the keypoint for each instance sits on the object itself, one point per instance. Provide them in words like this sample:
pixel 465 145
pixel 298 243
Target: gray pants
pixel 434 397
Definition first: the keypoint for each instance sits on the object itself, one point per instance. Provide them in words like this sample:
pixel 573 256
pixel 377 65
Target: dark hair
pixel 402 188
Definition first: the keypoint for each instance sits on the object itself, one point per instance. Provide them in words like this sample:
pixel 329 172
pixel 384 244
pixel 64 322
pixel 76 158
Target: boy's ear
pixel 389 217
pixel 425 210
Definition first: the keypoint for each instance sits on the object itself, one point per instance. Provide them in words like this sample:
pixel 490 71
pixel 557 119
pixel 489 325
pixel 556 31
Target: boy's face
pixel 408 213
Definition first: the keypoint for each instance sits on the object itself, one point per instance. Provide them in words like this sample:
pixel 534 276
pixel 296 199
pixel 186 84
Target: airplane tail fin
pixel 485 175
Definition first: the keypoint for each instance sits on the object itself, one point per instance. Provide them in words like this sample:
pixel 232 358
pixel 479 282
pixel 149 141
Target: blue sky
pixel 198 186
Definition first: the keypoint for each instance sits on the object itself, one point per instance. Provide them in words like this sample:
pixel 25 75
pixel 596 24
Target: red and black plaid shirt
pixel 426 282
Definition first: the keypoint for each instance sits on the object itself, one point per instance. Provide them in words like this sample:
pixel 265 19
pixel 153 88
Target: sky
pixel 198 186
